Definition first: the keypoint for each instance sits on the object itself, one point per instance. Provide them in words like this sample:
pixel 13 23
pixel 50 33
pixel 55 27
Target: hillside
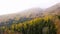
pixel 30 13
pixel 32 21
pixel 54 10
pixel 33 13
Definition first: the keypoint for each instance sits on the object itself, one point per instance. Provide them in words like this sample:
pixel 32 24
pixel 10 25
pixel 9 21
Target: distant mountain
pixel 30 13
pixel 54 10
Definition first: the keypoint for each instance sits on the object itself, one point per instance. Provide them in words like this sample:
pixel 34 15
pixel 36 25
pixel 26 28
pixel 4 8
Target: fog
pixel 13 6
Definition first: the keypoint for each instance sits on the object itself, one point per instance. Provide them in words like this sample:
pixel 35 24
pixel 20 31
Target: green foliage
pixel 34 26
pixel 59 17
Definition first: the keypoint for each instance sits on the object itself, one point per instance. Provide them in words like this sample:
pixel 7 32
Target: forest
pixel 44 25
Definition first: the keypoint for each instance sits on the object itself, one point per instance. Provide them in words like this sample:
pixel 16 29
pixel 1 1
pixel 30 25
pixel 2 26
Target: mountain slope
pixel 30 13
pixel 30 16
pixel 54 10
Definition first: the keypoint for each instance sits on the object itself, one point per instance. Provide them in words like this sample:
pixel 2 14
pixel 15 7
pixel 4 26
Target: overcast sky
pixel 13 6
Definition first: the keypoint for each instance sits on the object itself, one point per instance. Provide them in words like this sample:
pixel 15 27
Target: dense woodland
pixel 44 25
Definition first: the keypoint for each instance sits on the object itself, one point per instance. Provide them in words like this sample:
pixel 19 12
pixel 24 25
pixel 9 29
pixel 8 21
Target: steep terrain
pixel 55 11
pixel 34 19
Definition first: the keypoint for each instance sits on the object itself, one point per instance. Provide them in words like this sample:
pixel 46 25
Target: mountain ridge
pixel 33 13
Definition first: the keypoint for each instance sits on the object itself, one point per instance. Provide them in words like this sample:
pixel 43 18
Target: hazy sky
pixel 13 6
